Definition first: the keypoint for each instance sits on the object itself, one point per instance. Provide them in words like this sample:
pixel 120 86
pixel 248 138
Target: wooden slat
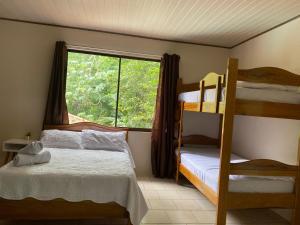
pixel 270 75
pixel 218 94
pixel 260 200
pixel 199 140
pixel 202 92
pixel 202 187
pixel 191 106
pixel 221 108
pixel 267 109
pixel 209 107
pixel 263 167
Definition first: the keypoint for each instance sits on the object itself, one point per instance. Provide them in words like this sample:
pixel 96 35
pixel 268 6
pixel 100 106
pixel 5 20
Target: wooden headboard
pixel 86 125
pixel 270 75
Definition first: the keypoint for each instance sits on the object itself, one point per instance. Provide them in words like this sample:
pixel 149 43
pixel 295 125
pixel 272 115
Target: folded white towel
pixel 32 149
pixel 24 159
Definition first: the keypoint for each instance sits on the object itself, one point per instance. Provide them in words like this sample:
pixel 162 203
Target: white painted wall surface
pixel 26 53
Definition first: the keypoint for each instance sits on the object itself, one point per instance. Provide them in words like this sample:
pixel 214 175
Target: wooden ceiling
pixel 214 22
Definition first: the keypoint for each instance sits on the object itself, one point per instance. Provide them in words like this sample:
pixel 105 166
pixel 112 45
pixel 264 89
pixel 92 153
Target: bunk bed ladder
pixel 226 141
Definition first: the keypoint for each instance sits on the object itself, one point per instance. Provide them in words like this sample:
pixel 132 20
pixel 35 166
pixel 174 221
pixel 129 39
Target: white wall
pixel 268 137
pixel 26 52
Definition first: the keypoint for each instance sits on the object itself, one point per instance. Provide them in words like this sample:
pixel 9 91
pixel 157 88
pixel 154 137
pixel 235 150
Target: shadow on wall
pixel 200 123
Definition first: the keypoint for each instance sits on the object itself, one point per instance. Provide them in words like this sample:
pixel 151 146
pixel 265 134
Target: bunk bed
pixel 228 180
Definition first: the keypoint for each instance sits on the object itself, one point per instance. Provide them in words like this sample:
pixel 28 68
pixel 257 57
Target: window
pixel 111 90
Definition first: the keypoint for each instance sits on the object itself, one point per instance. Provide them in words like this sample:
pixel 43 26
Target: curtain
pixel 56 108
pixel 162 149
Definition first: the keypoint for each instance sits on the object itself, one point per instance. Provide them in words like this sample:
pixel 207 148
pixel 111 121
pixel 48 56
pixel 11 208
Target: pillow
pixel 112 141
pixel 99 140
pixel 61 139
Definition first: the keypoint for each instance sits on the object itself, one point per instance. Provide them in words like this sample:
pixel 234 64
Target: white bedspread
pixel 77 175
pixel 205 163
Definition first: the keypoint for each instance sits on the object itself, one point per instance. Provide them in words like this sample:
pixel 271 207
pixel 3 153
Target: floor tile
pixel 184 204
pixel 181 216
pixel 162 204
pixel 205 204
pixel 156 216
pixel 190 194
pixel 205 216
pixel 168 194
pixel 171 203
pixel 150 194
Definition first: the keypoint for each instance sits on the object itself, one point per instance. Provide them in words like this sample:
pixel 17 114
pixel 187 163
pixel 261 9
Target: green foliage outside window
pixel 92 87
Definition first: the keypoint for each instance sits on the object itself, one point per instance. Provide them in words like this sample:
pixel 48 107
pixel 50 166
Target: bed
pixel 204 162
pixel 75 184
pixel 227 180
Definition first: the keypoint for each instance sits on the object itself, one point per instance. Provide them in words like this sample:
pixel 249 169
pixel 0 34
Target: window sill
pixel 138 129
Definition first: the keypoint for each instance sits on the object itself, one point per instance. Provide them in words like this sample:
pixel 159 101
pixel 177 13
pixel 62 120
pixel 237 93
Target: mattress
pixel 258 94
pixel 76 175
pixel 204 163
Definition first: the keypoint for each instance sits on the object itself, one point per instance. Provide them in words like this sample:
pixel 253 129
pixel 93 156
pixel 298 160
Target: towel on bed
pixel 32 149
pixel 25 159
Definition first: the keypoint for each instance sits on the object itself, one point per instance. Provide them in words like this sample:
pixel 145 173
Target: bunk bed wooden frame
pixel 230 106
pixel 60 209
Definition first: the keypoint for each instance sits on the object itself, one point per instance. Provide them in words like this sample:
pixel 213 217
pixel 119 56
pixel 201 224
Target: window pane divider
pixel 118 92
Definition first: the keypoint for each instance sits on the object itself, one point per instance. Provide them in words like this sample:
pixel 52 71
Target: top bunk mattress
pixel 204 163
pixel 268 95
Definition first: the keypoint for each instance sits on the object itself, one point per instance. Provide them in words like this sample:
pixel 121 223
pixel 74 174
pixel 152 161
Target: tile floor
pixel 170 203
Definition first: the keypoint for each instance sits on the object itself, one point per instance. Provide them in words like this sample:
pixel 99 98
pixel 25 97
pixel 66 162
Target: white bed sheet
pixel 268 95
pixel 204 163
pixel 77 175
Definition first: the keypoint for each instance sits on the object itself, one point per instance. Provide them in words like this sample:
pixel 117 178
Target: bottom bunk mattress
pixel 77 175
pixel 204 163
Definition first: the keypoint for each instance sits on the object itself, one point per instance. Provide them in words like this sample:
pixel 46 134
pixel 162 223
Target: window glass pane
pixel 92 88
pixel 137 94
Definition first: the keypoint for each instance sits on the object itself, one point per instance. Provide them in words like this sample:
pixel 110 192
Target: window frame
pixel 119 57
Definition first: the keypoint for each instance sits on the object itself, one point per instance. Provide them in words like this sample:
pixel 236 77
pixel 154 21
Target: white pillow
pixel 99 140
pixel 113 141
pixel 61 139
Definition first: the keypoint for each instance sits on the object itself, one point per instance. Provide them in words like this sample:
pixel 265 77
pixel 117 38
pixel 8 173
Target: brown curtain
pixel 162 152
pixel 56 109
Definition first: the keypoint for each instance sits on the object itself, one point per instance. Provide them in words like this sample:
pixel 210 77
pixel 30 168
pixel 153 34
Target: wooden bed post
pixel 226 141
pixel 296 211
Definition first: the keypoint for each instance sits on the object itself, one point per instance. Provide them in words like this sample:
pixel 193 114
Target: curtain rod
pixel 113 52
